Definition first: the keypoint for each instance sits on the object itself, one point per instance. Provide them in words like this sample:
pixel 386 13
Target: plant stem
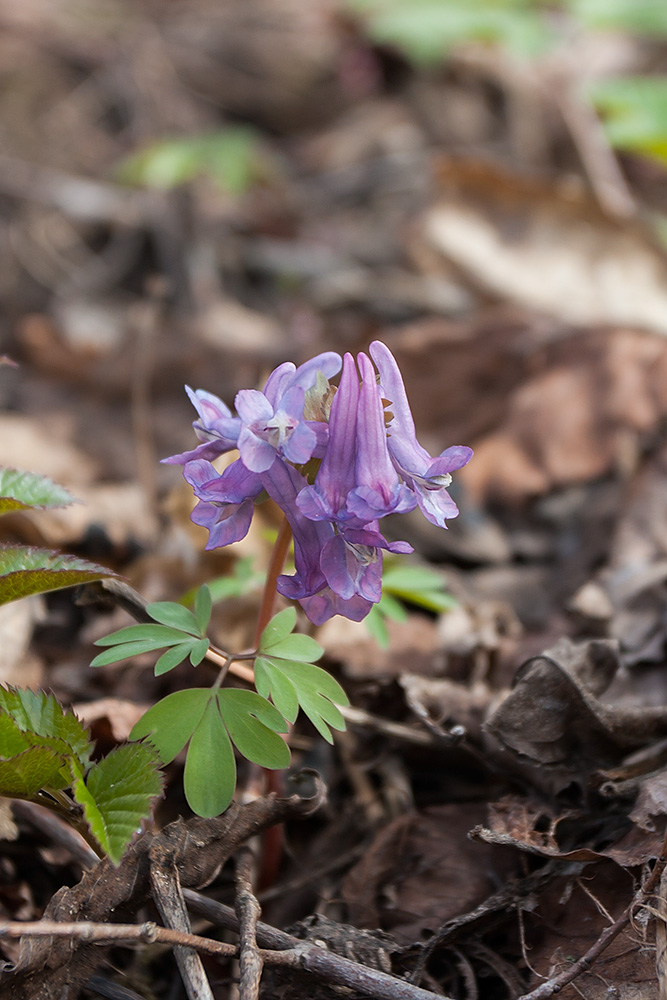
pixel 278 556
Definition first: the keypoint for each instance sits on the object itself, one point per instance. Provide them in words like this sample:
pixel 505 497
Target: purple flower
pixel 216 428
pixel 326 499
pixel 273 422
pixel 427 476
pixel 370 465
pixel 379 490
pixel 225 501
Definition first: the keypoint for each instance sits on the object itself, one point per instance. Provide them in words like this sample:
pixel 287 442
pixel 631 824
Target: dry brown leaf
pixel 546 247
pixel 422 870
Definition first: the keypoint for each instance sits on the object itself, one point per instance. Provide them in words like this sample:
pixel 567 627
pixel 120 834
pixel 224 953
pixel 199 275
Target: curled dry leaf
pixel 553 716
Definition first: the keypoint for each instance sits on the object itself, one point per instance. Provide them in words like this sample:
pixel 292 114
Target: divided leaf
pixel 171 722
pixel 25 570
pixel 117 795
pixel 21 490
pixel 253 724
pixel 313 688
pixel 180 633
pixel 278 628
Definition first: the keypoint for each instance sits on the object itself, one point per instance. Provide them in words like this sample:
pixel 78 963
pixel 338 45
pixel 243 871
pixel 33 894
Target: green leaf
pixel 210 769
pixel 231 157
pixel 172 657
pixel 199 651
pixel 295 647
pixel 635 110
pixel 25 570
pixel 161 635
pixel 29 762
pixel 126 650
pixel 174 615
pixel 427 30
pixel 22 490
pixel 171 722
pixel 26 773
pixel 203 607
pixel 316 690
pixel 417 585
pixel 117 795
pixel 648 17
pixel 278 629
pixel 252 723
pixel 271 681
pixel 40 714
pixel 241 581
pixel 374 622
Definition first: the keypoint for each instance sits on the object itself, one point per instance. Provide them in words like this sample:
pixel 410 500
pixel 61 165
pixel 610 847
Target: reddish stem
pixel 278 556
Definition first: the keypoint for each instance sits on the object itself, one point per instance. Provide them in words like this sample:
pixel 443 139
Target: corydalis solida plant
pixel 335 460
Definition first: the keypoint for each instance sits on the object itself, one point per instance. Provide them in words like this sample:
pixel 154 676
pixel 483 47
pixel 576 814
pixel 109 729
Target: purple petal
pixel 301 444
pixel 450 460
pixel 322 606
pixel 403 444
pixel 329 363
pixel 278 381
pixel 226 524
pixel 252 405
pixel 257 455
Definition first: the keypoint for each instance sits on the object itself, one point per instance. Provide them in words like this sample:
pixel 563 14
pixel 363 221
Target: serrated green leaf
pixel 35 712
pixel 203 608
pixel 278 629
pixel 25 570
pixel 174 616
pixel 26 773
pixel 171 722
pixel 117 795
pixel 271 681
pixel 209 779
pixel 162 635
pixel 172 657
pixel 253 723
pixel 295 647
pixel 199 651
pixel 22 490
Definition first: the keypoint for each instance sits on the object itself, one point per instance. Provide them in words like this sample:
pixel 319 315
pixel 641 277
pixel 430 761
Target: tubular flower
pixel 336 461
pixel 428 477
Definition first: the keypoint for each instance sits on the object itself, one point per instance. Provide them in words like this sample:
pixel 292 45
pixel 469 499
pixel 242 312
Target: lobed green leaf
pixel 277 629
pixel 253 723
pixel 198 651
pixel 171 722
pixel 315 690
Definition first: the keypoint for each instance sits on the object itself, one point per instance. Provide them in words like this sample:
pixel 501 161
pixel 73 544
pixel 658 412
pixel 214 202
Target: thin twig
pixel 247 911
pixel 168 896
pixel 313 958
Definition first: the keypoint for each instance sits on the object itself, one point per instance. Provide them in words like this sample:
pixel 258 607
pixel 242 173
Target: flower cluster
pixel 335 460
